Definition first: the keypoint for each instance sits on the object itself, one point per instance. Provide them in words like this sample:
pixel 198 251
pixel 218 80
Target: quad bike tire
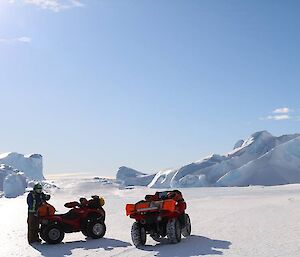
pixel 186 230
pixel 174 231
pixel 156 238
pixel 138 234
pixel 53 234
pixel 42 233
pixel 84 232
pixel 95 229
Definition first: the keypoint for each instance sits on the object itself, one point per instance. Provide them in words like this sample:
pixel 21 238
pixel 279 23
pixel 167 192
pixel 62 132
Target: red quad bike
pixel 88 216
pixel 160 215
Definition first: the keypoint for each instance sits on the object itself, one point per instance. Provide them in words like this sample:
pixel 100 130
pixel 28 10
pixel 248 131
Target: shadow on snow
pixel 191 246
pixel 65 249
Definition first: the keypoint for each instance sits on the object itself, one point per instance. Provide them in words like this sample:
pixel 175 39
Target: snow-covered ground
pixel 249 221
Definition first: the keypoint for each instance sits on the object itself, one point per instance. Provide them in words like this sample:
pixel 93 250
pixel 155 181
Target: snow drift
pixel 262 159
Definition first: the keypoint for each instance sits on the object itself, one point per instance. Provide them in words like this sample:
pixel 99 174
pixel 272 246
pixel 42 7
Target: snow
pixel 193 180
pixel 238 144
pixel 31 165
pixel 163 179
pixel 229 221
pixel 18 169
pixel 250 163
pixel 14 185
pixel 128 177
pixel 5 170
pixel 281 165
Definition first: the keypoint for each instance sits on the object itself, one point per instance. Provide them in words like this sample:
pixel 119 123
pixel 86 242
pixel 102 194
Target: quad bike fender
pixel 181 219
pixel 181 206
pixel 97 215
pixel 168 205
pixel 130 209
pixel 94 213
pixel 91 218
pixel 51 219
pixel 45 223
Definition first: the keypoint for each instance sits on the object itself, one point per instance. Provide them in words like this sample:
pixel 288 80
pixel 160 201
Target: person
pixel 34 200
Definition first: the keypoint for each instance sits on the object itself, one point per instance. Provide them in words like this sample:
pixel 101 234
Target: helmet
pixel 38 188
pixel 101 201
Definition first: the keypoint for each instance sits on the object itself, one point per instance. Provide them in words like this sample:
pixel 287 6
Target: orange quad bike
pixel 161 215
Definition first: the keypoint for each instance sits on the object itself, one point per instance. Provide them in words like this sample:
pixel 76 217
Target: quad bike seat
pixel 174 194
pixel 72 204
pixel 95 203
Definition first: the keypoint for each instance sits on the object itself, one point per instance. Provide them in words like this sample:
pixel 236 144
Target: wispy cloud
pixel 282 110
pixel 25 40
pixel 279 117
pixel 281 114
pixel 52 5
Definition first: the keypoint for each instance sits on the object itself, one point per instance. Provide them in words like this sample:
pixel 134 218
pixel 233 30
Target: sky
pixel 93 85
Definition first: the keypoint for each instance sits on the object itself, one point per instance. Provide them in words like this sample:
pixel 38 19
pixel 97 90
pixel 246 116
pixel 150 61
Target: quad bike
pixel 88 216
pixel 160 215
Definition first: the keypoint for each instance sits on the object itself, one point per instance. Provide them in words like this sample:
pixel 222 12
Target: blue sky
pixel 94 85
